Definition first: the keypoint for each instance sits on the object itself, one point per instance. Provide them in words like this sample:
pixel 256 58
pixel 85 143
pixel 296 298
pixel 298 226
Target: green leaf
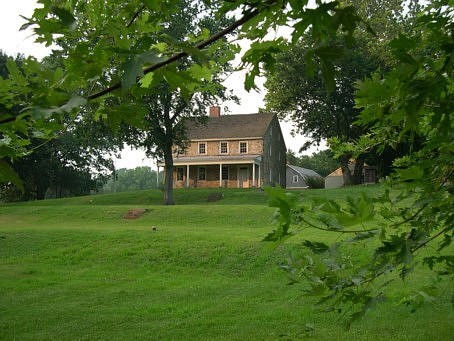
pixel 7 174
pixel 146 80
pixel 200 72
pixel 73 103
pixel 65 16
pixel 149 57
pixel 410 173
pixel 316 247
pixel 131 71
pixel 15 74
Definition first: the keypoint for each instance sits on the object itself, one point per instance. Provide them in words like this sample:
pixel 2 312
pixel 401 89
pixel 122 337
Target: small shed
pixel 335 179
pixel 296 176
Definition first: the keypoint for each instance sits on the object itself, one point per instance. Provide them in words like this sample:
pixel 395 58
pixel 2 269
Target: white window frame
pixel 205 148
pixel 239 147
pixel 204 173
pixel 295 179
pixel 226 147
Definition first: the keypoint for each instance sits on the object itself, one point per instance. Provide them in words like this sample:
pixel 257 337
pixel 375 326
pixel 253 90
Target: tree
pixel 163 101
pixel 127 43
pixel 415 213
pixel 317 112
pixel 139 178
pixel 321 162
pixel 318 109
pixel 75 162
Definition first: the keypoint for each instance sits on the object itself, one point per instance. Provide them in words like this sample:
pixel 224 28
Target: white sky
pixel 14 41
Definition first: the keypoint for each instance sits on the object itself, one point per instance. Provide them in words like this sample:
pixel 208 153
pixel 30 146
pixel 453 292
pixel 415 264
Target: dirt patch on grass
pixel 134 213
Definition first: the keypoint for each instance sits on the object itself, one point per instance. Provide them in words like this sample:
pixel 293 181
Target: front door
pixel 244 177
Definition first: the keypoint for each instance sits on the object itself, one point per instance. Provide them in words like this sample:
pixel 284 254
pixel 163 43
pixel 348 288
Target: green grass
pixel 75 269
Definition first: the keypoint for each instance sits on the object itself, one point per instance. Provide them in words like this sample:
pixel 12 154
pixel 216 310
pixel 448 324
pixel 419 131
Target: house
pixel 231 151
pixel 296 177
pixel 336 179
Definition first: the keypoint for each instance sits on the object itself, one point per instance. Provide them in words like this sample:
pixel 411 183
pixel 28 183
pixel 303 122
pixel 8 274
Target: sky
pixel 14 41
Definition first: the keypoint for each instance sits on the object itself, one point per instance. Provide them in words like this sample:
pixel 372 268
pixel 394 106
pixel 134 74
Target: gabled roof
pixel 336 172
pixel 304 172
pixel 229 126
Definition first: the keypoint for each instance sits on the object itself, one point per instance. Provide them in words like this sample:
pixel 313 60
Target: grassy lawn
pixel 75 269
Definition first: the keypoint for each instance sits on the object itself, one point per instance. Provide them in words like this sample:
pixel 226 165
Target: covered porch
pixel 218 172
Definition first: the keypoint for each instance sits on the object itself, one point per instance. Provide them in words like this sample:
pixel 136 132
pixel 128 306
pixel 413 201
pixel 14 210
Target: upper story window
pixel 223 147
pixel 202 148
pixel 243 147
pixel 295 178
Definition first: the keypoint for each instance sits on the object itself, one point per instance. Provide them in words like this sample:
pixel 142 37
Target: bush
pixel 315 181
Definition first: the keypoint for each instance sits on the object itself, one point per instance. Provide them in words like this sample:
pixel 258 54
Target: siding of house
pixel 299 184
pixel 254 147
pixel 274 156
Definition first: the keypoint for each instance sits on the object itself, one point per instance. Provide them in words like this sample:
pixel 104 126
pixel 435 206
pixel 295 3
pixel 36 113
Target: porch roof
pixel 216 160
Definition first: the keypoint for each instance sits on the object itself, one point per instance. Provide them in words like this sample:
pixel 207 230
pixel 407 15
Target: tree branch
pixel 246 17
pixel 446 229
pixel 338 231
pixel 134 17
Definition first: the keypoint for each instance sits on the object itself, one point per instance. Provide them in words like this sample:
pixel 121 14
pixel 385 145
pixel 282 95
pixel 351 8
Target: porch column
pixel 253 175
pixel 260 178
pixel 187 176
pixel 220 175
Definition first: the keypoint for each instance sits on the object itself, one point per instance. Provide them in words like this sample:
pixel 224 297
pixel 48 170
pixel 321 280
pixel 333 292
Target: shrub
pixel 315 181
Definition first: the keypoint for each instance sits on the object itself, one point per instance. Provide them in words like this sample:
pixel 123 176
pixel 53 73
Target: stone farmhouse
pixel 231 151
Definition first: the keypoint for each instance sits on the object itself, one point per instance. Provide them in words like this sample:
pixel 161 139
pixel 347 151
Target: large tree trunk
pixel 168 182
pixel 346 173
pixel 358 171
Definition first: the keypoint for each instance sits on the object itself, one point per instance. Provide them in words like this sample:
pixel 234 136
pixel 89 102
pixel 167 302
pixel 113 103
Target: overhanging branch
pixel 246 17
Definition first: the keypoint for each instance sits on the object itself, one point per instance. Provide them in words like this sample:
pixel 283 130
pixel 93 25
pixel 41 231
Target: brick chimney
pixel 215 111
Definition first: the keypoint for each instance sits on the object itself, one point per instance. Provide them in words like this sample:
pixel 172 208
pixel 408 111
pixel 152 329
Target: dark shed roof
pixel 304 172
pixel 229 126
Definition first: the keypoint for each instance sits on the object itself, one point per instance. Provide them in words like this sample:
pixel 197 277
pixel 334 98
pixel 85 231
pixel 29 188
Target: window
pixel 225 172
pixel 202 173
pixel 295 178
pixel 243 147
pixel 202 148
pixel 180 172
pixel 223 148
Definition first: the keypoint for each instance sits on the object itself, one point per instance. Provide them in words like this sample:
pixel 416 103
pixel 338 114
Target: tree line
pixel 139 178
